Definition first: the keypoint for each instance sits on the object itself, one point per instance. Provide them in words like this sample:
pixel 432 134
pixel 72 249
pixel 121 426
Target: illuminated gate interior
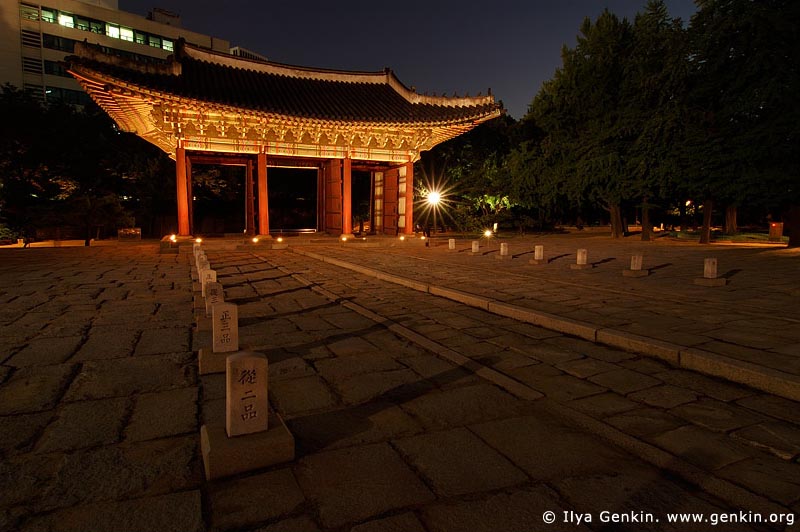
pixel 293 199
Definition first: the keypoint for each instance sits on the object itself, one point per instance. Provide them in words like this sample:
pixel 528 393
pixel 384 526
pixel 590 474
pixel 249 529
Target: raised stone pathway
pixel 747 331
pixel 411 412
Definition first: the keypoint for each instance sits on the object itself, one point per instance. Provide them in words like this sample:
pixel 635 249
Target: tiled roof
pixel 376 97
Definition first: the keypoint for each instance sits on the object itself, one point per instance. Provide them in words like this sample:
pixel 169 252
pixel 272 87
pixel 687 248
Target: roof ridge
pixel 384 77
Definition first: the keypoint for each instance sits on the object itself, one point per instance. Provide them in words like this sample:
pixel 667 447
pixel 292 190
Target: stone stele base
pixel 716 281
pixel 635 273
pixel 537 261
pixel 224 456
pixel 580 266
pixel 211 362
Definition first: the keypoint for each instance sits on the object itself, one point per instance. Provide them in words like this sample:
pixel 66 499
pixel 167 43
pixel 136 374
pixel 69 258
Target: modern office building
pixel 35 38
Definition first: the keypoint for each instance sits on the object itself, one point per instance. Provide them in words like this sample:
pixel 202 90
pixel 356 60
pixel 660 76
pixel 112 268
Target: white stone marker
pixel 215 295
pixel 225 327
pixel 710 268
pixel 709 277
pixel 538 255
pixel 246 403
pixel 196 249
pixel 503 252
pixel 582 261
pixel 250 437
pixel 209 276
pixel 476 247
pixel 451 244
pixel 636 268
pixel 202 264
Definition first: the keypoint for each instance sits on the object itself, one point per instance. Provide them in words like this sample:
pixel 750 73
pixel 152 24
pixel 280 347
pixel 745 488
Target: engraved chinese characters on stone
pixel 246 395
pixel 225 327
pixel 207 276
pixel 214 296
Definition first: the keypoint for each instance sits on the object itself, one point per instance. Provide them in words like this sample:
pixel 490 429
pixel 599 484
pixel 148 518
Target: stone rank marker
pixel 208 276
pixel 246 404
pixel 476 247
pixel 224 338
pixel 636 268
pixel 709 277
pixel 503 255
pixel 581 262
pixel 225 327
pixel 451 244
pixel 215 295
pixel 538 255
pixel 251 437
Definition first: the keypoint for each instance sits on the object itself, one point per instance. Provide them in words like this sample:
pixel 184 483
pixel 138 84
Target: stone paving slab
pixel 352 484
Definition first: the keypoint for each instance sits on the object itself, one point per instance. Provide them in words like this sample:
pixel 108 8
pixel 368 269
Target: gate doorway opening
pixel 361 200
pixel 218 195
pixel 292 199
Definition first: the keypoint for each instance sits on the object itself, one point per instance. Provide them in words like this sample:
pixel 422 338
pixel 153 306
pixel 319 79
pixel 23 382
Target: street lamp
pixel 433 199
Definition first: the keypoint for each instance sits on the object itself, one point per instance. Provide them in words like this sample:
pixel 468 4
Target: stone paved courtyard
pixel 411 412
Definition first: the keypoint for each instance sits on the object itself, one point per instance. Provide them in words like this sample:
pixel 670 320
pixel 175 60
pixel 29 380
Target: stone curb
pixel 713 364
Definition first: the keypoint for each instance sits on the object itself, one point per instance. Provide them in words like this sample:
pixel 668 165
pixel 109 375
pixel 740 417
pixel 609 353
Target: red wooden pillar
pixel 409 229
pixel 181 183
pixel 347 197
pixel 190 194
pixel 249 198
pixel 263 198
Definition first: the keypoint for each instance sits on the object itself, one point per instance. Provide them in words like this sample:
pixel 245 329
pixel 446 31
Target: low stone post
pixel 224 338
pixel 582 260
pixel 636 268
pixel 215 294
pixel 246 403
pixel 503 252
pixel 476 247
pixel 538 255
pixel 709 277
pixel 451 244
pixel 250 437
pixel 209 276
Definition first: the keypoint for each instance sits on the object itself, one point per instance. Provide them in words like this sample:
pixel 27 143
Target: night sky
pixel 437 46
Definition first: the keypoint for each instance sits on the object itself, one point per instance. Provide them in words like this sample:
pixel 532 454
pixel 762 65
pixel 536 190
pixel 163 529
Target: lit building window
pixel 97 27
pixel 167 45
pixel 155 42
pixel 48 15
pixel 66 20
pixel 82 24
pixel 126 34
pixel 112 31
pixel 140 37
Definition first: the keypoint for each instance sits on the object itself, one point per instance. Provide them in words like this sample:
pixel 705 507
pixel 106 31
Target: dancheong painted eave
pixel 206 101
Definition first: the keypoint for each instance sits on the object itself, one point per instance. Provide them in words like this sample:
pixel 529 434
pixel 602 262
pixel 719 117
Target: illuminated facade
pixel 204 107
pixel 36 37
